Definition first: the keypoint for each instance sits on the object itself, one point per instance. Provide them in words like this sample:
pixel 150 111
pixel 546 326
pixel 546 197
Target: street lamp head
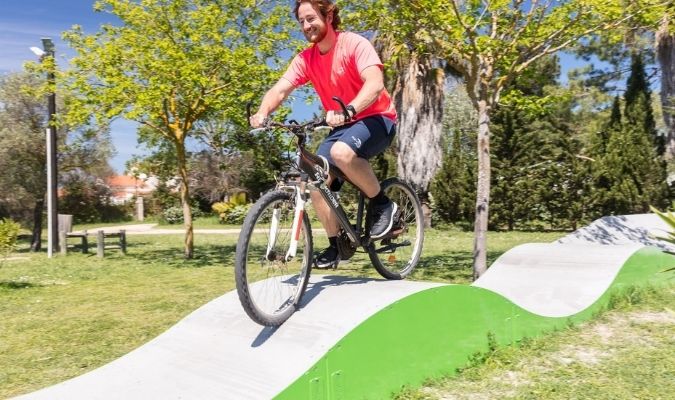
pixel 37 51
pixel 48 45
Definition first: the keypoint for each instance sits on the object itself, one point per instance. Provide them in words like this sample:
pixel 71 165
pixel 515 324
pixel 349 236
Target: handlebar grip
pixel 344 108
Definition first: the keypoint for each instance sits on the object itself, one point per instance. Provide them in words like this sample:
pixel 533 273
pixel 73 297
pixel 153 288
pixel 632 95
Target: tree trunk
pixel 185 199
pixel 418 94
pixel 665 50
pixel 36 240
pixel 482 190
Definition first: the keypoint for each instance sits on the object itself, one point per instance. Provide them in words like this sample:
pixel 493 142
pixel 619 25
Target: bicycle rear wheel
pixel 396 255
pixel 269 286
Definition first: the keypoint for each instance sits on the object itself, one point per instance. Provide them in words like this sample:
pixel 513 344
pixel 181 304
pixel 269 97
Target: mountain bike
pixel 274 257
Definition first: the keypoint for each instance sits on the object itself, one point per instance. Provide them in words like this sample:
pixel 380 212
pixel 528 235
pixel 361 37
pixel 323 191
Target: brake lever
pixel 345 112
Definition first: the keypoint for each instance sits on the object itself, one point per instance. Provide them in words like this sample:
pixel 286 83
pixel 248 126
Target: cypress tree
pixel 631 175
pixel 637 90
pixel 521 150
pixel 615 116
pixel 453 186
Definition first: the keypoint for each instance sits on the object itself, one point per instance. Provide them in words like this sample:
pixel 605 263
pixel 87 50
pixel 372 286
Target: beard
pixel 316 36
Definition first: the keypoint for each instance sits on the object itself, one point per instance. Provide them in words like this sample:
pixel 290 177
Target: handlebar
pixel 293 126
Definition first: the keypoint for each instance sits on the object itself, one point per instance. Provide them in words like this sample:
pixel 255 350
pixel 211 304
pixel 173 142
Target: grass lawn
pixel 64 316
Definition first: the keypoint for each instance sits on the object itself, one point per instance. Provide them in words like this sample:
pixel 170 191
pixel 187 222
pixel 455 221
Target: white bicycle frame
pixel 298 213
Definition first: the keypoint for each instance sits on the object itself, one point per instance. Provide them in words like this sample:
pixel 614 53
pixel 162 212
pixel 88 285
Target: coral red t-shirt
pixel 338 73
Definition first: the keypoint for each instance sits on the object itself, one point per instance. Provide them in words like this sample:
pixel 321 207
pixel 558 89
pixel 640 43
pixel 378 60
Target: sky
pixel 22 25
pixel 24 22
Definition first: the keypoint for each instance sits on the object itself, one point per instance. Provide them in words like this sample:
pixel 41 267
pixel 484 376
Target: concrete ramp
pixel 365 339
pixel 217 352
pixel 556 280
pixel 623 229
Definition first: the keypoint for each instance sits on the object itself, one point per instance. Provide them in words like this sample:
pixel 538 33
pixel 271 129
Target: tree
pixel 489 44
pixel 629 174
pixel 22 153
pixel 638 86
pixel 454 182
pixel 171 63
pixel 649 34
pixel 665 54
pixel 23 119
pixel 418 91
pixel 522 146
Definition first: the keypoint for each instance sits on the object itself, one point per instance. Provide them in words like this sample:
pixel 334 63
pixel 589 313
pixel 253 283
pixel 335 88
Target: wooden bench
pixel 63 241
pixel 100 241
pixel 101 246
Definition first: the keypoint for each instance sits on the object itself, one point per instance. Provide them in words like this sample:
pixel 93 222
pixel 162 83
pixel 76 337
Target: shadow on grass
pixel 18 285
pixel 203 256
pixel 452 267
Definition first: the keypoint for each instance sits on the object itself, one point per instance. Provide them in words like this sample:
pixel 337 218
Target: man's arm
pixel 373 85
pixel 272 99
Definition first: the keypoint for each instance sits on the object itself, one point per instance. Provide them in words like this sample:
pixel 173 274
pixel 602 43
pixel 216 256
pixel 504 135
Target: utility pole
pixel 52 182
pixel 52 171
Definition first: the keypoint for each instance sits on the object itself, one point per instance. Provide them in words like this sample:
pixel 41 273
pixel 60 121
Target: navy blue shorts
pixel 368 137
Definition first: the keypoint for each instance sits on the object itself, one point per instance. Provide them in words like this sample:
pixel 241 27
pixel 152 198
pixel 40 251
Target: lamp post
pixel 52 184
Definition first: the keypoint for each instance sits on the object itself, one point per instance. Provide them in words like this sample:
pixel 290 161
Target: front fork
pixel 296 228
pixel 299 212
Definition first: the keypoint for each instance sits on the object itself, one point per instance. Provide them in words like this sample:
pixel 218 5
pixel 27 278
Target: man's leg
pixel 359 171
pixel 326 215
pixel 329 257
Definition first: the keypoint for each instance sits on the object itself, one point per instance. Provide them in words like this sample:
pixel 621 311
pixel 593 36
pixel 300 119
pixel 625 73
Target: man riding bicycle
pixel 346 65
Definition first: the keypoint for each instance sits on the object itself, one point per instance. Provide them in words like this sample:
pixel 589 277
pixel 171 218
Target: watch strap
pixel 351 110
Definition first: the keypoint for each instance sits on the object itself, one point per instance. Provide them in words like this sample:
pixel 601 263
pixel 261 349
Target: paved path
pixel 150 229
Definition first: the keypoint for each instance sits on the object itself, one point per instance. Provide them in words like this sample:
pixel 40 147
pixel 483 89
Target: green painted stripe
pixel 434 332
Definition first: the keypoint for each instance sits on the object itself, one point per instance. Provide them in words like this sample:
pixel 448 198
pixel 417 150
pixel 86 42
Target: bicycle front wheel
pixel 269 284
pixel 396 255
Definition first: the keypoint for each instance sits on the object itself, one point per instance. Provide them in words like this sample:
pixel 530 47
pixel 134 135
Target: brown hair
pixel 325 7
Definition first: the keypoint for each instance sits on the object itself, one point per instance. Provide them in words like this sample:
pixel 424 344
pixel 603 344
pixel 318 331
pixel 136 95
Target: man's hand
pixel 335 118
pixel 258 120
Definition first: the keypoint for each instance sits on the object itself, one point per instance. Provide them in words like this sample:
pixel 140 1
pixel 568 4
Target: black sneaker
pixel 383 219
pixel 329 258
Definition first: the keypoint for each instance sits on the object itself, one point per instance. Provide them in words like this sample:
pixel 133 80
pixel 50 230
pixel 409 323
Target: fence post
pixel 85 243
pixel 100 243
pixel 123 241
pixel 62 242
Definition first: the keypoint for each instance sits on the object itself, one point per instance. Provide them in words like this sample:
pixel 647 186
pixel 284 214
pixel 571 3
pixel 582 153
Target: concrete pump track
pixel 365 338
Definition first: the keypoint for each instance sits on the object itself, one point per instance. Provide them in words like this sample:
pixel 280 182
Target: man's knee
pixel 342 154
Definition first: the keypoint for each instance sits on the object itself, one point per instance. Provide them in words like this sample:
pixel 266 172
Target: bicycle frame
pixel 310 166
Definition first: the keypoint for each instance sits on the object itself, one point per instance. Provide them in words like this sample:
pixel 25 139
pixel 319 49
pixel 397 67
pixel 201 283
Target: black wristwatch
pixel 351 111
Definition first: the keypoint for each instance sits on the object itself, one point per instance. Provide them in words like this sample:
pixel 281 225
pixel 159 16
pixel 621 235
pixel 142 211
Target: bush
pixel 9 231
pixel 235 215
pixel 233 211
pixel 174 215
